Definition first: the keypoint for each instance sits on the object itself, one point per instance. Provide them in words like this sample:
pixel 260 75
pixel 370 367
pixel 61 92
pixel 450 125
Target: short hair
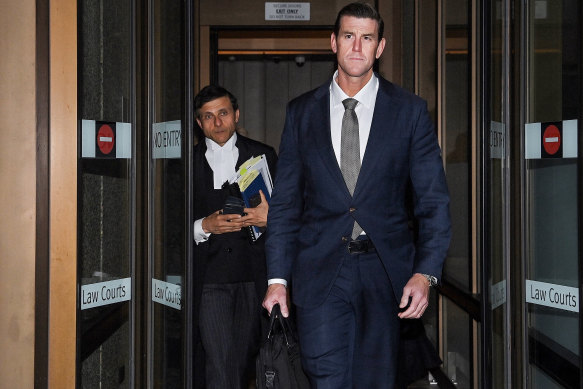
pixel 210 93
pixel 361 11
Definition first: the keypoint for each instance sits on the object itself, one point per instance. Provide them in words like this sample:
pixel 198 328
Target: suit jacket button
pixel 345 239
pixel 228 249
pixel 352 210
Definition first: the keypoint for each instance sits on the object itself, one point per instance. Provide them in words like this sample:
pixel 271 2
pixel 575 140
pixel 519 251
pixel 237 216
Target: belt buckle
pixel 357 246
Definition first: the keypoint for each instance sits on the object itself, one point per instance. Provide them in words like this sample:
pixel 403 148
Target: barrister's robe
pixel 223 248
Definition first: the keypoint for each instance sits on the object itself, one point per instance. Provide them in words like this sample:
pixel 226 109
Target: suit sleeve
pixel 430 197
pixel 285 210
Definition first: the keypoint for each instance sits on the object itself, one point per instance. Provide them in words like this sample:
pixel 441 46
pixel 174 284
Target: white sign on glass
pixel 287 11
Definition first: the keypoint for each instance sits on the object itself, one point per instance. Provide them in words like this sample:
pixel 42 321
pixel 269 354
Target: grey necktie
pixel 350 151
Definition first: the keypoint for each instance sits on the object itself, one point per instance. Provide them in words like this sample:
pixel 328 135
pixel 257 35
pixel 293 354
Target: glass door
pixel 551 193
pixel 457 131
pixel 168 206
pixel 106 193
pixel 497 194
pixel 134 101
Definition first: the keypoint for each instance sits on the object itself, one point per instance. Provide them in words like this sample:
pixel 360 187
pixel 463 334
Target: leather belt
pixel 360 246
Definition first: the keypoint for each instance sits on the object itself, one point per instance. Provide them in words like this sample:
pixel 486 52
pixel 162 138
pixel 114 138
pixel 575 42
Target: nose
pixel 356 46
pixel 218 121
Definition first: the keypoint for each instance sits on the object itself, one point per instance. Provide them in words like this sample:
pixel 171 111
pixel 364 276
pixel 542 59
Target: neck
pixel 352 85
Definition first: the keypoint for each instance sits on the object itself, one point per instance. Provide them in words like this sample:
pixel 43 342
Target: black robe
pixel 221 248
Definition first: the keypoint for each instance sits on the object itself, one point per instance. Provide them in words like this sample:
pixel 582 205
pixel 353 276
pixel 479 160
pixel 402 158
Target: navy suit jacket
pixel 310 218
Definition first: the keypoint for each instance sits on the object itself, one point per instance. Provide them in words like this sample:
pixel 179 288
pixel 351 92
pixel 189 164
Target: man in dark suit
pixel 338 230
pixel 230 277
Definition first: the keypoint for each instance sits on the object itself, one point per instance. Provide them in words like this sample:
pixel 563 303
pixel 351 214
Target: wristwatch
pixel 432 279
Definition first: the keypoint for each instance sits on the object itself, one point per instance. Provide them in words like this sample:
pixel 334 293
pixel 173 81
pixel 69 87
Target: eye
pixel 347 36
pixel 223 113
pixel 207 116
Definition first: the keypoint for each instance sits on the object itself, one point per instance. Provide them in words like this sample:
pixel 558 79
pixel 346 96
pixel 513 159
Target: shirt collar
pixel 366 96
pixel 212 145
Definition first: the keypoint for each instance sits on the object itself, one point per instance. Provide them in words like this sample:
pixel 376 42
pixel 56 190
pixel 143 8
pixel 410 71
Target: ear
pixel 199 123
pixel 236 116
pixel 380 48
pixel 333 43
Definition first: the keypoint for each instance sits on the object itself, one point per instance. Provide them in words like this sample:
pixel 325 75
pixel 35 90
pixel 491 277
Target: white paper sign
pixel 540 9
pixel 498 294
pixel 166 139
pixel 497 140
pixel 105 293
pixel 287 11
pixel 167 293
pixel 551 295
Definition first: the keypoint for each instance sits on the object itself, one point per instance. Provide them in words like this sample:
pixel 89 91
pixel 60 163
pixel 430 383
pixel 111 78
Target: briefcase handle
pixel 286 330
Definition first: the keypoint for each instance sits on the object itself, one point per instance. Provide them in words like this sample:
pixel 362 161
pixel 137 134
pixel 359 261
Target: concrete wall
pixel 17 191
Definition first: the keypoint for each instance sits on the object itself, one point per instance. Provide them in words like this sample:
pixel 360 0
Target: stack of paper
pixel 252 176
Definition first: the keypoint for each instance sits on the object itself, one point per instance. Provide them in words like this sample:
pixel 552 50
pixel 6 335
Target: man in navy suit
pixel 354 263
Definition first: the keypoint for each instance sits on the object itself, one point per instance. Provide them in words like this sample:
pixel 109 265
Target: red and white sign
pixel 551 140
pixel 105 138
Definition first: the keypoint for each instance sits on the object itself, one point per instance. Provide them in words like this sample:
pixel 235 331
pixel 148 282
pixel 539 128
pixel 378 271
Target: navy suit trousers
pixel 352 340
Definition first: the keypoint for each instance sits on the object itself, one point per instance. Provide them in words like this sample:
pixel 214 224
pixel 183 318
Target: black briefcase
pixel 278 364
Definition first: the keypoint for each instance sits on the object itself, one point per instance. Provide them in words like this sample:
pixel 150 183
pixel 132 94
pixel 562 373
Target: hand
pixel 219 224
pixel 256 216
pixel 417 289
pixel 276 294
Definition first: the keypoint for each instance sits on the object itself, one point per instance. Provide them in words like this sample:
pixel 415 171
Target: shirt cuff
pixel 199 234
pixel 277 281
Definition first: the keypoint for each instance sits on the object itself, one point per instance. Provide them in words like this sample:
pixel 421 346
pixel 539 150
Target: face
pixel 357 46
pixel 218 120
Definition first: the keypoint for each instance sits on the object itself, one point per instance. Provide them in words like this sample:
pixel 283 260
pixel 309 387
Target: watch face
pixel 432 279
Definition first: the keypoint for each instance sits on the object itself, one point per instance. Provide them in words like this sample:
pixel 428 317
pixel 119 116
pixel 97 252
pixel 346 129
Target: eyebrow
pixel 372 34
pixel 213 112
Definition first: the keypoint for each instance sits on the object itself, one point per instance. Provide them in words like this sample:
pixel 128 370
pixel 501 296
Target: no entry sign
pixel 551 140
pixel 106 139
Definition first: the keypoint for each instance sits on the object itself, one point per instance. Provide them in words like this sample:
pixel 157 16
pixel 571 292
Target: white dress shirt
pixel 367 98
pixel 222 160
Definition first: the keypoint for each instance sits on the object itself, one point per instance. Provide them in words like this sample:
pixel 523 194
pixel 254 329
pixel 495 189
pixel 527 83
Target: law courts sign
pixel 552 295
pixel 106 293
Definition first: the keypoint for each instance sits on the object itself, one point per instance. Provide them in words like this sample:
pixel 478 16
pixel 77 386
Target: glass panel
pixel 551 194
pixel 167 194
pixel 106 198
pixel 457 358
pixel 456 145
pixel 498 192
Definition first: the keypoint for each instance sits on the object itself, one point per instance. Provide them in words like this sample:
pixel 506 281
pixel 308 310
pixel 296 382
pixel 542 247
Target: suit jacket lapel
pixel 383 118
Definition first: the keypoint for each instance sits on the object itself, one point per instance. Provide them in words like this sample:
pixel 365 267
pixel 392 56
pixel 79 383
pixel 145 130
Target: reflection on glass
pixel 457 154
pixel 105 195
pixel 168 195
pixel 498 195
pixel 457 359
pixel 457 139
pixel 552 255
